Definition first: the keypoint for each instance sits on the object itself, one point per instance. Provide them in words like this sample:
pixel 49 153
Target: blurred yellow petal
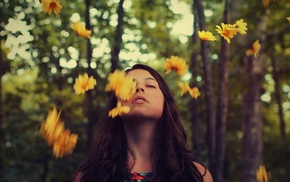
pixel 241 26
pixel 81 30
pixel 194 92
pixel 288 18
pixel 55 134
pixel 261 174
pixel 84 83
pixel 184 87
pixel 255 49
pixel 177 64
pixel 207 36
pixel 124 86
pixel 49 5
pixel 119 110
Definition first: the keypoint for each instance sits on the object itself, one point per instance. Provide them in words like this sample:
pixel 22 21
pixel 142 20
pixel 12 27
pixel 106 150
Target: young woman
pixel 147 144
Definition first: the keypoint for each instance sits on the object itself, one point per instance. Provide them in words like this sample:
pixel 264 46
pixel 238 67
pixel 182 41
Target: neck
pixel 140 137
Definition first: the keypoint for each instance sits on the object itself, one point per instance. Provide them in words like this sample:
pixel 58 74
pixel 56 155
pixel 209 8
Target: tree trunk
pixel 222 104
pixel 117 38
pixel 89 110
pixel 1 106
pixel 210 118
pixel 252 123
pixel 278 97
pixel 195 126
pixel 252 126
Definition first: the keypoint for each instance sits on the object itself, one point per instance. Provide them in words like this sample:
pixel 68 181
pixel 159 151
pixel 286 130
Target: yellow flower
pixel 124 86
pixel 81 30
pixel 254 50
pixel 54 132
pixel 241 26
pixel 119 110
pixel 265 2
pixel 288 18
pixel 177 64
pixel 65 144
pixel 49 5
pixel 261 174
pixel 184 87
pixel 206 36
pixel 84 83
pixel 194 92
pixel 227 31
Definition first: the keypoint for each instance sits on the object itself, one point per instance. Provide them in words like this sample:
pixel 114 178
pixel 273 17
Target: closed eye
pixel 151 86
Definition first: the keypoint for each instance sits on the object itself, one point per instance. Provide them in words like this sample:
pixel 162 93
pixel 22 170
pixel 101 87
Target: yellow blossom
pixel 81 30
pixel 84 83
pixel 119 110
pixel 65 144
pixel 55 134
pixel 124 86
pixel 177 64
pixel 49 5
pixel 288 18
pixel 265 2
pixel 206 36
pixel 184 87
pixel 227 31
pixel 261 174
pixel 254 50
pixel 194 92
pixel 241 26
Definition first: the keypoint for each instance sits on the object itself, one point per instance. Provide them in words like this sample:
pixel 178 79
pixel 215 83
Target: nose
pixel 139 88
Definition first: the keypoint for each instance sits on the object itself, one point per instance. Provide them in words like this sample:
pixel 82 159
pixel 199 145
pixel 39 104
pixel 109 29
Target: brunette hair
pixel 107 157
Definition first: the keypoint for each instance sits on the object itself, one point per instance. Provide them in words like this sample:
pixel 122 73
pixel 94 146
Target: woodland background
pixel 240 121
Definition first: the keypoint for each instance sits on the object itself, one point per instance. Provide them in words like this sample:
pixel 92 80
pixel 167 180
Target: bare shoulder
pixel 206 174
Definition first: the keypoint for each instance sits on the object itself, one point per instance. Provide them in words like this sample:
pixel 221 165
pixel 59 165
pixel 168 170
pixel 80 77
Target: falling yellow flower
pixel 194 92
pixel 119 110
pixel 227 31
pixel 81 30
pixel 123 85
pixel 254 50
pixel 65 143
pixel 176 64
pixel 206 36
pixel 288 18
pixel 49 5
pixel 84 83
pixel 55 134
pixel 184 87
pixel 241 26
pixel 265 2
pixel 261 174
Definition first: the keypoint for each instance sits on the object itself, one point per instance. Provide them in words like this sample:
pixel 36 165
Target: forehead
pixel 140 74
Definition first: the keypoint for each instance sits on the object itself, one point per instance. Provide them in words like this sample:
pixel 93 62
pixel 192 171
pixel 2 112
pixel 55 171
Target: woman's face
pixel 148 100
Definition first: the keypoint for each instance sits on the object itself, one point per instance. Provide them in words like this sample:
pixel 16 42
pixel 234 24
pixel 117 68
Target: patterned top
pixel 141 177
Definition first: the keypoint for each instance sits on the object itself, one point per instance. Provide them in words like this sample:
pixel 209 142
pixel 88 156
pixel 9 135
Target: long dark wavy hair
pixel 107 157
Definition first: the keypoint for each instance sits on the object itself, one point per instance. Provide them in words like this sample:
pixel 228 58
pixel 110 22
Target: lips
pixel 139 100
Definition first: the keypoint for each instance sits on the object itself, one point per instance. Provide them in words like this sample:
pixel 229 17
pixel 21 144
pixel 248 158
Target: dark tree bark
pixel 278 97
pixel 208 90
pixel 117 38
pixel 195 126
pixel 252 124
pixel 89 106
pixel 222 103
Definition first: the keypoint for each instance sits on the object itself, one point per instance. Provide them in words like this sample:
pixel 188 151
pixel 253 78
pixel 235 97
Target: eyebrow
pixel 149 78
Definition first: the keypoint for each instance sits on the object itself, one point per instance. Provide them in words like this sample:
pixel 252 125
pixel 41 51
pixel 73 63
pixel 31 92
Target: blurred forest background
pixel 240 121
